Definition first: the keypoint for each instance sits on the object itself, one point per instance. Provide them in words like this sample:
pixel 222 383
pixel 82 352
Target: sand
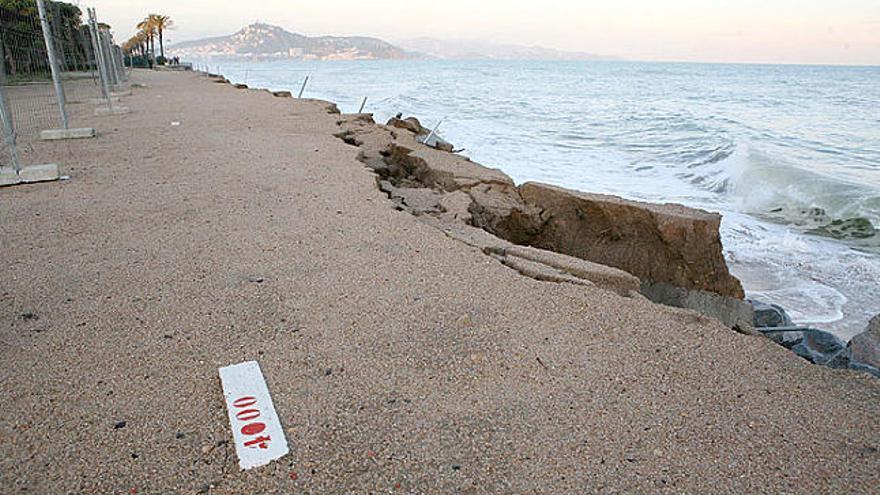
pixel 399 360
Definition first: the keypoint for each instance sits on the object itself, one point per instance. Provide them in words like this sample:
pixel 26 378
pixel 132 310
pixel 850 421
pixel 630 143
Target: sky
pixel 762 31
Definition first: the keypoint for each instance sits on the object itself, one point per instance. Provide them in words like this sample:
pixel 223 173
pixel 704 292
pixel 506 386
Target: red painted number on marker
pixel 251 429
pixel 245 402
pixel 261 442
pixel 248 415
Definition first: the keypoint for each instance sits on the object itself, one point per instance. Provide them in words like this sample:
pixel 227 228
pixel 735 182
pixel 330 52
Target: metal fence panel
pixel 52 68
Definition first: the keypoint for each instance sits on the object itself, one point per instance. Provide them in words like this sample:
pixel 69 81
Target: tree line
pixel 150 30
pixel 24 49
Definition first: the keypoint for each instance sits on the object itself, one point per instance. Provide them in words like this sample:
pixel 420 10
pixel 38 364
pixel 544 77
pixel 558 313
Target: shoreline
pixel 832 278
pixel 256 232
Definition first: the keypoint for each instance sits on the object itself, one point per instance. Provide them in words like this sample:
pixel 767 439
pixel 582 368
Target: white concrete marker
pixel 102 101
pixel 259 438
pixel 39 173
pixel 56 134
pixel 105 111
pixel 9 177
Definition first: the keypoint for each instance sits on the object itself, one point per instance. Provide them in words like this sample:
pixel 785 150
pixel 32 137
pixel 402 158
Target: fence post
pixel 117 64
pixel 6 116
pixel 53 62
pixel 113 76
pixel 99 57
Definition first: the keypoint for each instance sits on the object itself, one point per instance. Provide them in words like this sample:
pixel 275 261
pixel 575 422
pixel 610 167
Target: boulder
pixel 864 349
pixel 819 347
pixel 667 243
pixel 816 346
pixel 411 124
pixel 769 315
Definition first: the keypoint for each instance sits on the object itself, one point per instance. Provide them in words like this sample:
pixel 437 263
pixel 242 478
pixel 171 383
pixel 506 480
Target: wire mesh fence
pixel 52 58
pixel 76 57
pixel 28 83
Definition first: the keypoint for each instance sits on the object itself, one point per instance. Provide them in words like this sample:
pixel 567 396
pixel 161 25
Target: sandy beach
pixel 399 359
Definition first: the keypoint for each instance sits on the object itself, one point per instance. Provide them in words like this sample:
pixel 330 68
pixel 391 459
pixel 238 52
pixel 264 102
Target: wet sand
pixel 399 360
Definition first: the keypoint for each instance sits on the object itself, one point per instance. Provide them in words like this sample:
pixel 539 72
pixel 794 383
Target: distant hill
pixel 267 41
pixel 464 50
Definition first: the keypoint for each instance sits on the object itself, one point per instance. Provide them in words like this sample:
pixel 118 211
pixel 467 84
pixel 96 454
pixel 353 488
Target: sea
pixel 789 155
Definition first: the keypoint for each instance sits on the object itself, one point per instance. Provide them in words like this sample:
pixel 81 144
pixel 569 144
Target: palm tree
pixel 136 44
pixel 148 28
pixel 141 43
pixel 160 24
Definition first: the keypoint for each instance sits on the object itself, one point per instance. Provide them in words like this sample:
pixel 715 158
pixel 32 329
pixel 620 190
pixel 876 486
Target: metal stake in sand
pixel 303 88
pixel 363 104
pixel 433 132
pixel 53 62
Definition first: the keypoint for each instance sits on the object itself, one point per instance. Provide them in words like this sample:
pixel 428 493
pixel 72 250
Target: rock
pixel 418 201
pixel 668 243
pixel 770 315
pixel 499 208
pixel 282 94
pixel 864 349
pixel 241 86
pixel 427 167
pixel 456 206
pixel 439 143
pixel 785 339
pixel 819 347
pixel 411 124
pixel 816 346
pixel 731 311
pixel 850 228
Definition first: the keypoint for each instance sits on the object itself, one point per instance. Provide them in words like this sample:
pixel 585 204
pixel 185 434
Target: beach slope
pixel 399 359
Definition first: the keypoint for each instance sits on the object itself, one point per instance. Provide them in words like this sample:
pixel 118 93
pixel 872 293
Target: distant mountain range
pixel 476 50
pixel 264 41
